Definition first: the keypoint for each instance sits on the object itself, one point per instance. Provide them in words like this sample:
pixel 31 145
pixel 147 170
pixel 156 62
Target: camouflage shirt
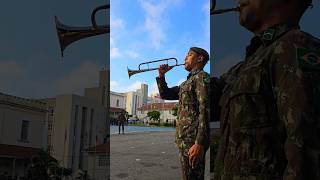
pixel 122 118
pixel 193 111
pixel 270 109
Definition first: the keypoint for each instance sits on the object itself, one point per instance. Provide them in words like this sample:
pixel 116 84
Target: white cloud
pixel 206 23
pixel 131 54
pixel 116 24
pixel 114 85
pixel 134 86
pixel 155 19
pixel 122 87
pixel 84 76
pixel 206 7
pixel 115 53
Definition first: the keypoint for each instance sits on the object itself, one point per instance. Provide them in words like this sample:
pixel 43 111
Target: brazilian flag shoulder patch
pixel 308 59
pixel 206 79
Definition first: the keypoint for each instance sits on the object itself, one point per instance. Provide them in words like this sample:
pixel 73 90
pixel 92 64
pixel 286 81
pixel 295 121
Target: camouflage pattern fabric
pixel 122 118
pixel 270 109
pixel 192 125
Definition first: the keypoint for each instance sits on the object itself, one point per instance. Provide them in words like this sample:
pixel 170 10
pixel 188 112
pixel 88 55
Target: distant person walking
pixel 121 120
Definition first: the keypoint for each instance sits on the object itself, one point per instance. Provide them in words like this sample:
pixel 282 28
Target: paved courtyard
pixel 145 156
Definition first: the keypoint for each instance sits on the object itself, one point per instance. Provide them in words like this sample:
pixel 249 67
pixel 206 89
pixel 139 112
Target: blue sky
pixel 146 30
pixel 30 61
pixel 229 39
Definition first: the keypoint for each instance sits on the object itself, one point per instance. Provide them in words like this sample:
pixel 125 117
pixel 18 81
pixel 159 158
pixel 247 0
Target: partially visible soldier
pixel 270 103
pixel 121 120
pixel 192 126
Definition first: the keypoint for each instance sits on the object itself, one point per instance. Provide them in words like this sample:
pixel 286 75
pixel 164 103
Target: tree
pixel 43 166
pixel 154 115
pixel 175 110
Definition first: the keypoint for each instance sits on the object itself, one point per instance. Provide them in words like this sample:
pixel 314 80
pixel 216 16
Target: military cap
pixel 201 51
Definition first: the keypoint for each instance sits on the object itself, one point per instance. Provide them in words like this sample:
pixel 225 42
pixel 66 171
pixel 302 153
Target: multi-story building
pixel 136 99
pixel 133 102
pixel 78 123
pixel 23 133
pixel 165 109
pixel 99 94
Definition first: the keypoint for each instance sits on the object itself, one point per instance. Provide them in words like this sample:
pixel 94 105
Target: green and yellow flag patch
pixel 308 59
pixel 206 79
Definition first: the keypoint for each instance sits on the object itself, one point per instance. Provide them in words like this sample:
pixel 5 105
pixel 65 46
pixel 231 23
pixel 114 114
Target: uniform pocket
pixel 246 105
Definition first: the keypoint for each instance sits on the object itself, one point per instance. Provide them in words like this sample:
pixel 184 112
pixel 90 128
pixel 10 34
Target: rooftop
pixel 157 106
pixel 17 151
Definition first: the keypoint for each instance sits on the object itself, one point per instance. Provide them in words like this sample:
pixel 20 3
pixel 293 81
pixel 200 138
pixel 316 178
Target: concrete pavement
pixel 145 156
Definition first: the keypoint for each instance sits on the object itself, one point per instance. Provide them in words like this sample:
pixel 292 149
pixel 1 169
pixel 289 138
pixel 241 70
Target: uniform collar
pixel 193 72
pixel 268 36
pixel 274 32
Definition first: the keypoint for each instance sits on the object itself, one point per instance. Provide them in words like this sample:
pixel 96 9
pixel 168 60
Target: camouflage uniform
pixel 270 109
pixel 193 117
pixel 121 120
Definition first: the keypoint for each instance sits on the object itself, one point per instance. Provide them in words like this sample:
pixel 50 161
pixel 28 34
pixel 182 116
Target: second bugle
pixel 220 11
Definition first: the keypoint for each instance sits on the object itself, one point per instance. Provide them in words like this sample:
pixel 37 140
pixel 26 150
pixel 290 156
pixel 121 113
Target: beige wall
pixel 13 111
pixel 114 97
pixel 164 114
pixel 69 127
pixel 133 102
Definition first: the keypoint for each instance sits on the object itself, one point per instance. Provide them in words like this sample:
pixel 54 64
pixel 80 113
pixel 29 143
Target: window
pixel 24 130
pixel 118 103
pixel 103 160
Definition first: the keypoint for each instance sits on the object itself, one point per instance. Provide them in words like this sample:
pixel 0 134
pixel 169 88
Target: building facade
pixel 165 109
pixel 23 133
pixel 78 123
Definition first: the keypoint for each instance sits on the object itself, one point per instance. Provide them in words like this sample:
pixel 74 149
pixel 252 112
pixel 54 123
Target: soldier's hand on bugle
pixel 163 69
pixel 195 154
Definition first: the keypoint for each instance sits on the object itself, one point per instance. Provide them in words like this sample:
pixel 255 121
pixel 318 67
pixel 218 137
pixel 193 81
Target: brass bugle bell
pixel 69 34
pixel 139 70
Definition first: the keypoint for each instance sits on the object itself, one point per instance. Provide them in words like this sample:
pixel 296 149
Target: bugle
pixel 69 34
pixel 220 11
pixel 139 70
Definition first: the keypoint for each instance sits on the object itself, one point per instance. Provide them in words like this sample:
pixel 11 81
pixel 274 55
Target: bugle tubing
pixel 139 70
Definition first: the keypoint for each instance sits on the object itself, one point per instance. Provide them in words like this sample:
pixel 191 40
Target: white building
pixel 117 100
pixel 165 109
pixel 117 105
pixel 78 123
pixel 136 99
pixel 23 132
pixel 99 94
pixel 155 98
pixel 133 102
